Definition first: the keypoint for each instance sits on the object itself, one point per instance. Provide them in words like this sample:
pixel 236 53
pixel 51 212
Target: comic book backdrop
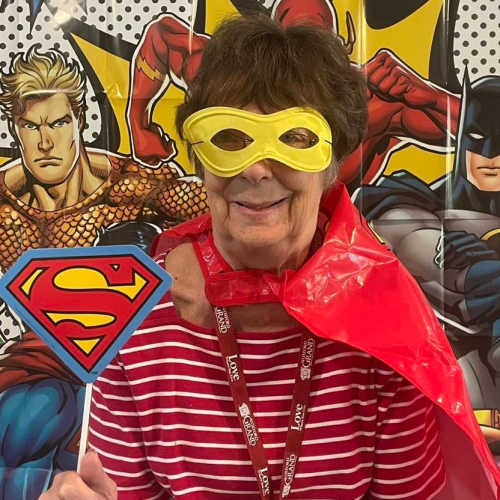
pixel 427 175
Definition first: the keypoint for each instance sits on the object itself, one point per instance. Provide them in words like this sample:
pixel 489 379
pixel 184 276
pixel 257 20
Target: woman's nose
pixel 259 171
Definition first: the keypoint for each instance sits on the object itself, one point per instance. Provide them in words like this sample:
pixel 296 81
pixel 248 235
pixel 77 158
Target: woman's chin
pixel 258 238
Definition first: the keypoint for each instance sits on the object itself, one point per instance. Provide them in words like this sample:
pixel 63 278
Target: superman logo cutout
pixel 84 302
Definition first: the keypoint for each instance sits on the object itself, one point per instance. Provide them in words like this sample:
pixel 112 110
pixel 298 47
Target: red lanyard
pixel 296 423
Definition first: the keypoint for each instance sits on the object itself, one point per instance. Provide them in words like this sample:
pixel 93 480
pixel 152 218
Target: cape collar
pixel 341 235
pixel 225 287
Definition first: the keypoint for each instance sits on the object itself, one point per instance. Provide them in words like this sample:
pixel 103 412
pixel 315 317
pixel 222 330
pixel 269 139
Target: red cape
pixel 31 360
pixel 354 290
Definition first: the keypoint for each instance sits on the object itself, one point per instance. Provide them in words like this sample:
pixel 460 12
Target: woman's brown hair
pixel 253 59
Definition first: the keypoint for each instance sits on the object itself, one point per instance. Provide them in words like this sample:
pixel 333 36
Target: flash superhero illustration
pixel 448 236
pixel 403 107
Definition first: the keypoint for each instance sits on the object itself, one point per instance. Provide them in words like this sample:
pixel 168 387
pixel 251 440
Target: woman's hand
pixel 91 484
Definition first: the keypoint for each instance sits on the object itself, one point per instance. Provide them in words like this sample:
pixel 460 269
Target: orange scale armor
pixel 131 192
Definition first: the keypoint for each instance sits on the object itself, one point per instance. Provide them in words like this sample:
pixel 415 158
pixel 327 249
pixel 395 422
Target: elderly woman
pixel 226 390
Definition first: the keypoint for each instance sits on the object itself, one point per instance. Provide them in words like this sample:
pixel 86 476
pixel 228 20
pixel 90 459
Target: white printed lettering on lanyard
pixel 222 319
pixel 298 419
pixel 264 480
pixel 232 364
pixel 249 424
pixel 307 358
pixel 290 464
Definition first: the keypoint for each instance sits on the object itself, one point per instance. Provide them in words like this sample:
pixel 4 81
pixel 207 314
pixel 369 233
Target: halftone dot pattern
pixel 124 19
pixel 47 33
pixel 11 328
pixel 476 42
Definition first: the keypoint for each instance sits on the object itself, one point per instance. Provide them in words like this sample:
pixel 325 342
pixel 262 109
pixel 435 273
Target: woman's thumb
pixel 92 472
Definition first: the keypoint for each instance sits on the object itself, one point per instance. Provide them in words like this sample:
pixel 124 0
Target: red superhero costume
pixel 166 52
pixel 30 361
pixel 366 299
pixel 401 104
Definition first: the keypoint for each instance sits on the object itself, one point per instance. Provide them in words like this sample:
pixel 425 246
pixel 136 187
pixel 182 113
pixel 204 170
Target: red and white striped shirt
pixel 164 423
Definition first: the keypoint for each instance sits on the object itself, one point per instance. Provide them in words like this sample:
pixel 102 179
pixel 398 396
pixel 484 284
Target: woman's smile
pixel 262 208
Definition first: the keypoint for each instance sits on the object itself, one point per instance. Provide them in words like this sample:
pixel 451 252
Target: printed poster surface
pixel 98 162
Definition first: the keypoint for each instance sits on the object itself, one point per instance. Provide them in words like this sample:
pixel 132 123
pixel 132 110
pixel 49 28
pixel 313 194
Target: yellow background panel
pixel 113 73
pixel 216 11
pixel 410 39
pixel 483 417
pixel 426 165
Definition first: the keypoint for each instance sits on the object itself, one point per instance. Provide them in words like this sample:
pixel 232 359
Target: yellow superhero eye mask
pixel 228 140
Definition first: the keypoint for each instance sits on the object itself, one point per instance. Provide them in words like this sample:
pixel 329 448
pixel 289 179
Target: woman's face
pixel 267 204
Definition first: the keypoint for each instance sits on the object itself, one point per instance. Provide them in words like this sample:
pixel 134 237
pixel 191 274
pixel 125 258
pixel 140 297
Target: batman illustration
pixel 448 236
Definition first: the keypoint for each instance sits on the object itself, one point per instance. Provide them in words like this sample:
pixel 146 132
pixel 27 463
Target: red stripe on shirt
pixel 164 423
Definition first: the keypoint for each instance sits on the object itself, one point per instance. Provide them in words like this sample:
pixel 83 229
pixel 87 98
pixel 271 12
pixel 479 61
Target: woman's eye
pixel 231 140
pixel 299 138
pixel 30 126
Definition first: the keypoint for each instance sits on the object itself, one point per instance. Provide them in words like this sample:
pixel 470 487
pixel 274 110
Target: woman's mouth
pixel 251 205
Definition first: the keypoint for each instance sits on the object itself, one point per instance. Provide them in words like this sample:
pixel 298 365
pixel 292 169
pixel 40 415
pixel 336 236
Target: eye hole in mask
pixel 299 138
pixel 477 136
pixel 231 139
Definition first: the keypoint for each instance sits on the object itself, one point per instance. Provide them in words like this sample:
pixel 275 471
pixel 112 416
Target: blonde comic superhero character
pixel 60 193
